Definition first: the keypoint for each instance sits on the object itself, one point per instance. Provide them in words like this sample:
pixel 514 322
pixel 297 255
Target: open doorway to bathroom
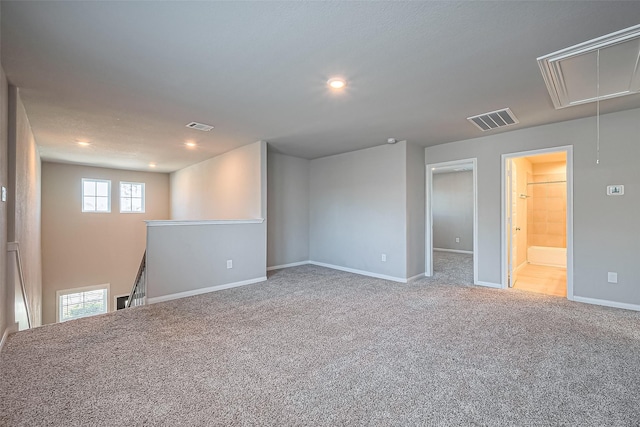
pixel 537 222
pixel 451 240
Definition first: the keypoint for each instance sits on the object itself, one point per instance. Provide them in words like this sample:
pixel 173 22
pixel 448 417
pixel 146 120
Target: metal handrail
pixel 138 291
pixel 15 247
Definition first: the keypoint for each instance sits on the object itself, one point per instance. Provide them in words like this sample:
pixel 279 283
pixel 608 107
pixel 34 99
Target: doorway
pixel 537 205
pixel 450 246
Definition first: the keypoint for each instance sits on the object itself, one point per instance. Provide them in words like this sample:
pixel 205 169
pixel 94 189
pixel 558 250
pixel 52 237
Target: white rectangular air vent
pixel 602 68
pixel 199 126
pixel 494 119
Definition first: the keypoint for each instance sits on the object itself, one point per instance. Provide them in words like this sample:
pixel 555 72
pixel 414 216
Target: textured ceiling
pixel 128 76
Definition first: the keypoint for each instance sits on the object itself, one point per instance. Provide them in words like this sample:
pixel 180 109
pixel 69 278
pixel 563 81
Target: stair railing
pixel 14 247
pixel 138 293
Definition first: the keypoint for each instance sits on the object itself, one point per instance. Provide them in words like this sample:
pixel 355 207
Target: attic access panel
pixel 571 74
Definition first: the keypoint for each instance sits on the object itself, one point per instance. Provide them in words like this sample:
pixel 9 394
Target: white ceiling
pixel 128 76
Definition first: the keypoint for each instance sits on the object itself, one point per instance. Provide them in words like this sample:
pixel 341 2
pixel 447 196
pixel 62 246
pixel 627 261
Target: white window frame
pixel 108 195
pixel 63 292
pixel 144 196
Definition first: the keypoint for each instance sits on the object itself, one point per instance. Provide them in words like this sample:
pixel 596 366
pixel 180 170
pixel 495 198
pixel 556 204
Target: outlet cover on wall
pixel 383 258
pixel 612 277
pixel 615 190
pixel 457 240
pixel 229 263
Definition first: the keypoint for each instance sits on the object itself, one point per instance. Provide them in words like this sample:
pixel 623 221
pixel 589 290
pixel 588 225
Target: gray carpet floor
pixel 314 346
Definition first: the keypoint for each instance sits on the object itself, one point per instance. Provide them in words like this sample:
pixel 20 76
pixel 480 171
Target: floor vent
pixel 199 126
pixel 494 119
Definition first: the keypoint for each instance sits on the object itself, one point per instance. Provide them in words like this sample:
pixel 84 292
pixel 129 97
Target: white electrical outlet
pixel 457 240
pixel 612 277
pixel 229 263
pixel 384 258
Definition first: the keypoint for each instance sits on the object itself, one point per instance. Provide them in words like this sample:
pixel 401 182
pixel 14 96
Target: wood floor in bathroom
pixel 542 279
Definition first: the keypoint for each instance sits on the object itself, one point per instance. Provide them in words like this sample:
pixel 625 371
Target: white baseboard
pixel 417 276
pixel 361 272
pixel 489 284
pixel 293 264
pixel 455 251
pixel 8 331
pixel 607 303
pixel 204 290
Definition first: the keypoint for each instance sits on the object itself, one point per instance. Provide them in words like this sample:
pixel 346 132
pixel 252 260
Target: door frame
pixel 429 213
pixel 568 149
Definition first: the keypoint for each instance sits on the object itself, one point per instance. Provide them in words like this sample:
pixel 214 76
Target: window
pixel 82 302
pixel 96 195
pixel 132 197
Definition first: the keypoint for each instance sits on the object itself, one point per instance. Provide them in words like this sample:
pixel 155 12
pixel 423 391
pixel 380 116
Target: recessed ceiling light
pixel 152 165
pixel 83 143
pixel 191 144
pixel 336 83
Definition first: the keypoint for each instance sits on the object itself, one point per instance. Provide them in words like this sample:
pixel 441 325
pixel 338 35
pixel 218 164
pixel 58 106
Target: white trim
pixel 503 227
pixel 61 292
pixel 361 272
pixel 82 196
pixel 455 251
pixel 417 276
pixel 293 264
pixel 489 284
pixel 204 290
pixel 164 223
pixel 607 303
pixel 131 197
pixel 115 301
pixel 7 331
pixel 429 214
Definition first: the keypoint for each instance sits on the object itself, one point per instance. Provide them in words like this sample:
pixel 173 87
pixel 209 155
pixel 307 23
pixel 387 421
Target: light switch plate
pixel 615 190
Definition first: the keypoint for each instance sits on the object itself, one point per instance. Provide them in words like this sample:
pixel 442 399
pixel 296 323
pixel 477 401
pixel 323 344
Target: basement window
pixel 96 195
pixel 82 302
pixel 132 197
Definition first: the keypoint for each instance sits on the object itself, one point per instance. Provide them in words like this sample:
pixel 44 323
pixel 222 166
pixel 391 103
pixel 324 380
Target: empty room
pixel 319 213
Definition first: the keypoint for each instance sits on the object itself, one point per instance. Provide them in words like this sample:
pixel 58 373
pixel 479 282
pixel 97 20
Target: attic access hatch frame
pixel 551 66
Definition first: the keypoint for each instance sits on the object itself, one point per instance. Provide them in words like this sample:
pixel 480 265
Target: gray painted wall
pixel 606 228
pixel 452 207
pixel 84 249
pixel 182 258
pixel 415 210
pixel 358 210
pixel 6 319
pixel 287 209
pixel 24 224
pixel 227 186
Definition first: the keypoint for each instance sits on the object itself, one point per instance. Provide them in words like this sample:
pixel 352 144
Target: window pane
pixel 82 304
pixel 89 204
pixel 136 205
pixel 102 204
pixel 136 190
pixel 89 188
pixel 125 190
pixel 102 189
pixel 125 204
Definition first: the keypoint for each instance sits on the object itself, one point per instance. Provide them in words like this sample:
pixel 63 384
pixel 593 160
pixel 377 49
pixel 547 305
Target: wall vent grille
pixel 199 126
pixel 494 119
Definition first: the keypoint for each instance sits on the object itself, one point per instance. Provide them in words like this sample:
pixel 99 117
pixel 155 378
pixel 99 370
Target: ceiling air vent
pixel 602 68
pixel 199 126
pixel 494 119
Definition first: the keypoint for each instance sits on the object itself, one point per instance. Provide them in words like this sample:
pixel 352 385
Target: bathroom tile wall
pixel 547 205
